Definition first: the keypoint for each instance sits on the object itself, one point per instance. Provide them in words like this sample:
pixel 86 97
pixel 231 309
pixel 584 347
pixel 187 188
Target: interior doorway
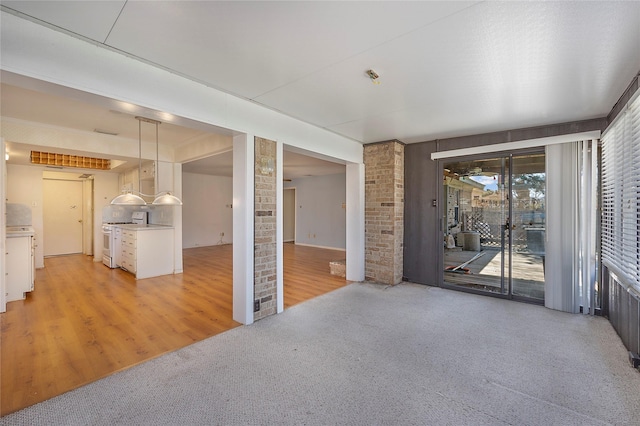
pixel 62 217
pixel 494 211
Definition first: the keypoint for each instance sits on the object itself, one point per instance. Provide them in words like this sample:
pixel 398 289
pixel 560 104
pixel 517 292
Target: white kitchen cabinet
pixel 147 178
pixel 147 251
pixel 117 246
pixel 20 270
pixel 128 250
pixel 129 180
pixel 148 170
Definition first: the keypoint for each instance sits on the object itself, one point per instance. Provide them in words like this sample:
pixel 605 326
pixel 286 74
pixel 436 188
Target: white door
pixel 62 208
pixel 289 214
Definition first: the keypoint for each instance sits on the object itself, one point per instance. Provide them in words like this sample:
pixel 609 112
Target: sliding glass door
pixel 494 212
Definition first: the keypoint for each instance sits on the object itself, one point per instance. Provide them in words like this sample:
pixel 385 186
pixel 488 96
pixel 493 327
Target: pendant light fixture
pixel 167 199
pixel 128 198
pixel 162 198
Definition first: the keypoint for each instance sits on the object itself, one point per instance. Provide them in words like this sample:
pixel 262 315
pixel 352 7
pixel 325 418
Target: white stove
pixel 109 237
pixel 108 244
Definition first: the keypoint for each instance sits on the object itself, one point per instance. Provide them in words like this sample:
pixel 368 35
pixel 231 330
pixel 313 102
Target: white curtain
pixel 570 267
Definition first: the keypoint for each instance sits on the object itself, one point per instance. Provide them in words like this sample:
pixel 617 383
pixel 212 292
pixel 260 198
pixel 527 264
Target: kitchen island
pixel 146 250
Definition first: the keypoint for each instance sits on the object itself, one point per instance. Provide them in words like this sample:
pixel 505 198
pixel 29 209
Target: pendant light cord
pixel 139 156
pixel 156 167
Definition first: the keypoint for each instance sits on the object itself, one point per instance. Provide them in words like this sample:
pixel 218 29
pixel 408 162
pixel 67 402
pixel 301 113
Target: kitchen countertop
pixel 19 231
pixel 141 227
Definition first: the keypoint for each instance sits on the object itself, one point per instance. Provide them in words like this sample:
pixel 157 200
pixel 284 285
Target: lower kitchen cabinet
pixel 19 267
pixel 147 252
pixel 117 245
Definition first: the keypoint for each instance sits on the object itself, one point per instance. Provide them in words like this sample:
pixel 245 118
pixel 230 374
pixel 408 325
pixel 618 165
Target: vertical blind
pixel 570 269
pixel 621 195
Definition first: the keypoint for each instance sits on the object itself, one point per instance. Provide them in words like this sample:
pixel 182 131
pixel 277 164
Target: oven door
pixel 106 246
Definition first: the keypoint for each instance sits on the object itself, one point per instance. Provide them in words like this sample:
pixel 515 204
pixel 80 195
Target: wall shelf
pixel 66 160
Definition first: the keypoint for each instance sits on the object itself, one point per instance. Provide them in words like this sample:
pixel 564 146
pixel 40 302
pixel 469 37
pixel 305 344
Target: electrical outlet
pixel 256 305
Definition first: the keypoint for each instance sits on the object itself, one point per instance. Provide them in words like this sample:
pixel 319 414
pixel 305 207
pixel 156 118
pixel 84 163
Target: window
pixel 621 195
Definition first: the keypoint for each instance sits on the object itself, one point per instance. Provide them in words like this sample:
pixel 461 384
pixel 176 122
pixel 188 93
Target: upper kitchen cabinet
pixel 128 180
pixel 148 170
pixel 146 174
pixel 148 178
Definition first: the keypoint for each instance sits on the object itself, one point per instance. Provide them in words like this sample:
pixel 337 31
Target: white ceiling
pixel 46 108
pixel 446 68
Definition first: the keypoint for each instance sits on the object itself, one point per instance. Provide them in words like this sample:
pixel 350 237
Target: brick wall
pixel 384 211
pixel 265 228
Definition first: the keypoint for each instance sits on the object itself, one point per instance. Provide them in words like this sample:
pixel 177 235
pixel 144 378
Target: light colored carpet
pixel 373 355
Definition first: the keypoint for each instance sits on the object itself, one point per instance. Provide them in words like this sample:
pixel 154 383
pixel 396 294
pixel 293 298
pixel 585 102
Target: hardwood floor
pixel 85 321
pixel 306 273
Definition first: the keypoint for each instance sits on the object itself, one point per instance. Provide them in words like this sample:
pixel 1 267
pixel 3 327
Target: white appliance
pixel 107 244
pixel 109 237
pixel 139 218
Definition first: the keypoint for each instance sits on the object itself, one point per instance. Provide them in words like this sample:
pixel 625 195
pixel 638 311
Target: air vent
pixel 106 132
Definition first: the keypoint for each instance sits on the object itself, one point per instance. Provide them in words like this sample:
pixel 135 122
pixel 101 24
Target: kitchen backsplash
pixel 161 215
pixel 157 215
pixel 18 215
pixel 117 214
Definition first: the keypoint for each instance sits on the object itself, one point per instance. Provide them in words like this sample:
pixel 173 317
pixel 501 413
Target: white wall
pixel 24 186
pixel 206 210
pixel 320 215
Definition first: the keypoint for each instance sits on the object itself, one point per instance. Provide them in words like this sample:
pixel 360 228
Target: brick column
pixel 265 228
pixel 384 211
